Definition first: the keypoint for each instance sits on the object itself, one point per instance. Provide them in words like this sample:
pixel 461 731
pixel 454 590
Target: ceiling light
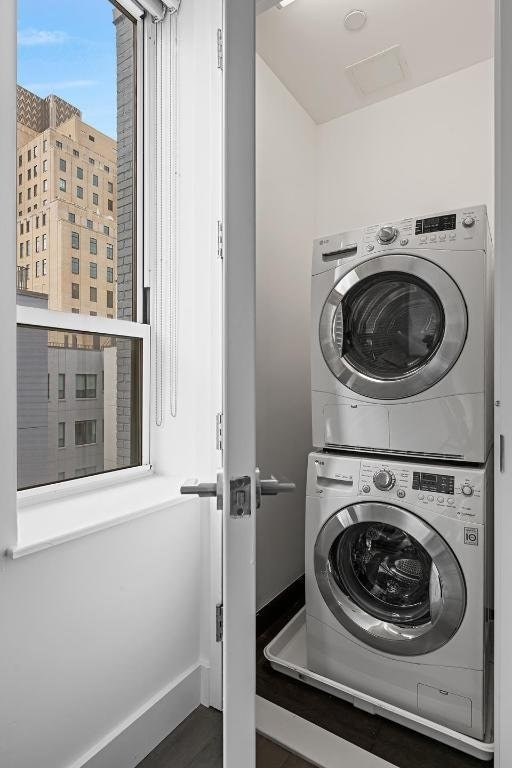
pixel 354 20
pixel 284 3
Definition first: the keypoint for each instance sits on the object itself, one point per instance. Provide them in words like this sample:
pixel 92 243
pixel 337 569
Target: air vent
pixel 379 71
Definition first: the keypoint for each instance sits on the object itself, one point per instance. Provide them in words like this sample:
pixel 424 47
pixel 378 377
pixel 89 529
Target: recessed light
pixel 284 3
pixel 355 20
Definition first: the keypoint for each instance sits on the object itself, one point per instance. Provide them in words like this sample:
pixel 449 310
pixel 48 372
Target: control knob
pixel 384 480
pixel 467 489
pixel 387 234
pixel 468 221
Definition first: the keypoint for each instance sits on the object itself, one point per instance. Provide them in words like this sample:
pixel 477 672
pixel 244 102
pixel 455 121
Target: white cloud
pixel 41 37
pixel 60 85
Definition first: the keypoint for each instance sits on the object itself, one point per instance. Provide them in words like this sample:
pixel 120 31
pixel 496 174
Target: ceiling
pixel 308 47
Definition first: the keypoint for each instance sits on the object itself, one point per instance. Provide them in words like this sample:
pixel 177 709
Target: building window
pixel 85 471
pixel 89 223
pixel 91 160
pixel 95 198
pixel 85 386
pixel 106 229
pixel 37 222
pixel 93 293
pixel 28 226
pixel 21 228
pixel 45 145
pixel 75 266
pixel 94 180
pixel 44 219
pixel 35 151
pixel 110 299
pixel 110 275
pixel 45 166
pixel 34 171
pixel 58 144
pixel 85 432
pixel 44 266
pixel 62 185
pixel 75 239
pixel 79 172
pixel 20 179
pixel 37 269
pixel 37 244
pixel 62 434
pixel 93 269
pixel 110 186
pixel 75 291
pixel 75 311
pixel 35 191
pixel 91 138
pixel 93 314
pixel 93 246
pixel 29 174
pixel 62 386
pixel 20 161
pixel 71 217
pixel 45 185
pixel 45 242
pixel 80 192
pixel 27 247
pixel 21 250
pixel 20 198
pixel 29 155
pixel 62 164
pixel 110 205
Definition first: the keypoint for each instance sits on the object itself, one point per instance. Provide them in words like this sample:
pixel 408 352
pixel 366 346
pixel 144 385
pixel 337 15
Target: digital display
pixel 436 224
pixel 425 481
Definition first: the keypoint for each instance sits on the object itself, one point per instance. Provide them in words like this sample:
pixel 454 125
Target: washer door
pixel 393 326
pixel 390 579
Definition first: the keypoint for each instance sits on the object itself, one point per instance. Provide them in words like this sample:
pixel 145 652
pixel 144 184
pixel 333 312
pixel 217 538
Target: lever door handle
pixel 199 489
pixel 271 486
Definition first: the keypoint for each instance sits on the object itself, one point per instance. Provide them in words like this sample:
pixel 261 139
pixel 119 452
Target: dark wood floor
pixel 400 746
pixel 197 743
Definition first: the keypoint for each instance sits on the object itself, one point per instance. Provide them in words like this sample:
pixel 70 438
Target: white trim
pixel 131 7
pixel 69 321
pixel 311 742
pixel 135 737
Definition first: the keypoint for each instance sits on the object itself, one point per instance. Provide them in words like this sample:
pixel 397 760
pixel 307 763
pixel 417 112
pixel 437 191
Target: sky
pixel 67 47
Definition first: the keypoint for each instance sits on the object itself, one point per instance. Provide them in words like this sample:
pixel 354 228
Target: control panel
pixel 454 491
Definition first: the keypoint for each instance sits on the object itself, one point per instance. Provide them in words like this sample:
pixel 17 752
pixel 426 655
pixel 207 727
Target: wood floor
pixel 197 743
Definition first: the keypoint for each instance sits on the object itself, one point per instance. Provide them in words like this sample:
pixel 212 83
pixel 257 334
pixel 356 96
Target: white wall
pixel 285 205
pixel 423 151
pixel 426 150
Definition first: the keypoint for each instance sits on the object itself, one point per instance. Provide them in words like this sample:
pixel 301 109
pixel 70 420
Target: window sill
pixel 48 522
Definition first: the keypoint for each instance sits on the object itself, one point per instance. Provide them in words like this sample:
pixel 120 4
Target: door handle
pixel 240 491
pixel 271 486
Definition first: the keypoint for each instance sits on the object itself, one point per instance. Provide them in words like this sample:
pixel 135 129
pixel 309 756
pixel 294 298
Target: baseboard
pixel 319 747
pixel 293 597
pixel 135 737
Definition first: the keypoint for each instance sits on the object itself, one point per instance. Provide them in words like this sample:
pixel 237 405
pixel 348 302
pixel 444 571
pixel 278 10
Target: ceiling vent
pixel 379 71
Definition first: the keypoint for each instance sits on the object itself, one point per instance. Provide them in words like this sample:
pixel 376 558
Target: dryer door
pixel 393 326
pixel 390 579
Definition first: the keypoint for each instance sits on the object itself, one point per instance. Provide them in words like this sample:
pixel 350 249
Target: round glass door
pixel 389 578
pixel 393 326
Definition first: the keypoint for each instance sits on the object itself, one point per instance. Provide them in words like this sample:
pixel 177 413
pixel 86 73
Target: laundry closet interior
pixel 374 328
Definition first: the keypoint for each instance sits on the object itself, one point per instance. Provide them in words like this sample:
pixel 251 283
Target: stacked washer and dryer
pixel 399 490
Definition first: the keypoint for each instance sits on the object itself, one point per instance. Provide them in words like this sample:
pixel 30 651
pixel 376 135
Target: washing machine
pixel 402 338
pixel 399 584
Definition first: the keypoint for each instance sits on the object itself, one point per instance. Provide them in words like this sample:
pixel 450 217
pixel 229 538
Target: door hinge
pixel 218 421
pixel 220 50
pixel 220 239
pixel 219 622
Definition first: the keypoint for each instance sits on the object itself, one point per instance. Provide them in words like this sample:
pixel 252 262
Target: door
pixel 389 578
pixel 393 326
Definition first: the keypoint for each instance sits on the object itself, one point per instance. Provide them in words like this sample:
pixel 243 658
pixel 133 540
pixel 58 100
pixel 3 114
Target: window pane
pixel 95 425
pixel 87 174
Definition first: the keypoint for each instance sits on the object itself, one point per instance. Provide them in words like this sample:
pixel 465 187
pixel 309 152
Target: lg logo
pixel 471 536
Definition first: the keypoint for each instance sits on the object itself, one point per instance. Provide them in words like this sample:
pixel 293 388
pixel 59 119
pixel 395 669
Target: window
pixel 20 197
pixel 88 350
pixel 91 138
pixel 29 174
pixel 44 219
pixel 85 432
pixel 110 275
pixel 29 193
pixel 37 269
pixel 85 386
pixel 35 151
pixel 20 161
pixel 29 155
pixel 20 179
pixel 28 226
pixel 21 250
pixel 37 222
pixel 110 205
pixel 21 228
